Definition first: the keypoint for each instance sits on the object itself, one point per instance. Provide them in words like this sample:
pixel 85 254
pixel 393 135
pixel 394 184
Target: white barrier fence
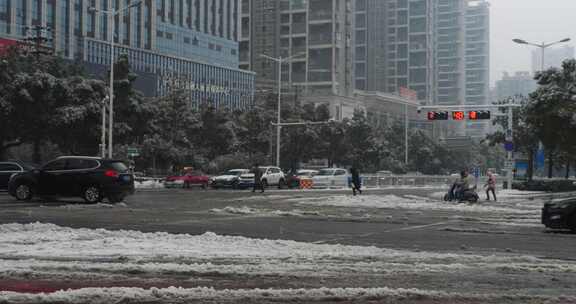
pixel 375 181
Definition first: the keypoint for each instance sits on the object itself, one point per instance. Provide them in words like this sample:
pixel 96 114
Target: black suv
pixel 91 178
pixel 9 169
pixel 560 214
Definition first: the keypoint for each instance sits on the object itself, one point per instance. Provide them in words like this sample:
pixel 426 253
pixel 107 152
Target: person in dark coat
pixel 257 178
pixel 356 182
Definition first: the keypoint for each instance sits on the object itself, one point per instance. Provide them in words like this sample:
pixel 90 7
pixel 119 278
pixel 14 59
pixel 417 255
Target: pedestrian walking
pixel 490 186
pixel 257 179
pixel 356 182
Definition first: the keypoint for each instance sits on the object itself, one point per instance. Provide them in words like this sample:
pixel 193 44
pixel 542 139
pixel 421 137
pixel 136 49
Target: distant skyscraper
pixel 477 61
pixel 553 57
pixel 440 48
pixel 521 83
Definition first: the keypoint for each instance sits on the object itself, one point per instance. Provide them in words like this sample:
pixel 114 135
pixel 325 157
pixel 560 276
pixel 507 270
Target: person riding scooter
pixel 464 188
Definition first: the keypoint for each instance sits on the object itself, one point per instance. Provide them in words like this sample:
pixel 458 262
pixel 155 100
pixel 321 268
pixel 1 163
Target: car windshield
pixel 326 172
pixel 119 166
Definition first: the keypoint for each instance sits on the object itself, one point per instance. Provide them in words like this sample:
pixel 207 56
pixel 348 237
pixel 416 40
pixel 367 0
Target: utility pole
pixel 280 60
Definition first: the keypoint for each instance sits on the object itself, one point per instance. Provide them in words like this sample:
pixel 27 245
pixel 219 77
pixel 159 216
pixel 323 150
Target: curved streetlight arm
pixel 542 45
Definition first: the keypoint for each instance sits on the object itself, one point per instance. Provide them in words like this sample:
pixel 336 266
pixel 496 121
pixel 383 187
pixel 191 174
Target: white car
pixel 271 176
pixel 331 177
pixel 230 179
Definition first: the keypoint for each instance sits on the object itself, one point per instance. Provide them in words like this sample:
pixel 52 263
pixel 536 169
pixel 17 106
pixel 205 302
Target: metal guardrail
pixel 377 181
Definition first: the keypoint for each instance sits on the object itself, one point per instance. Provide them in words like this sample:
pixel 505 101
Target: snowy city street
pixel 177 246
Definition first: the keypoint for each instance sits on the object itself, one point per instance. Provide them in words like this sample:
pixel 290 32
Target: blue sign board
pixel 509 146
pixel 540 158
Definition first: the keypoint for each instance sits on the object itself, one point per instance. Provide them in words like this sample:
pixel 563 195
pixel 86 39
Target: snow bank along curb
pixel 181 295
pixel 46 247
pixel 413 203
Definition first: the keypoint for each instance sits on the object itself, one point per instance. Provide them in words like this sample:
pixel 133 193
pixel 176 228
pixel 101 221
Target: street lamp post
pixel 103 136
pixel 543 46
pixel 280 61
pixel 111 30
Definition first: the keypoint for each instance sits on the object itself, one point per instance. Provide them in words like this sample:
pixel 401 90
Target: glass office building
pixel 168 34
pixel 205 83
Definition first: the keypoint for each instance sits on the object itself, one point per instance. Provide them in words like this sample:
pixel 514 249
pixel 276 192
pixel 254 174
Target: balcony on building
pixel 320 35
pixel 245 7
pixel 320 40
pixel 321 11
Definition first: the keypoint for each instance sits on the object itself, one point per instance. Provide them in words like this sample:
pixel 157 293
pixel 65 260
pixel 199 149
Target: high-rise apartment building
pixel 316 34
pixel 477 61
pixel 188 43
pixel 410 47
pixel 440 49
pixel 370 45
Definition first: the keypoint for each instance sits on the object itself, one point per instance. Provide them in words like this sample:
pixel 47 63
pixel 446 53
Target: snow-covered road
pixel 212 267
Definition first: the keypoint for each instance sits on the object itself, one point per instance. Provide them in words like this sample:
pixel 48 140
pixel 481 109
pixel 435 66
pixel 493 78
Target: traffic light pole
pixel 510 138
pixel 509 133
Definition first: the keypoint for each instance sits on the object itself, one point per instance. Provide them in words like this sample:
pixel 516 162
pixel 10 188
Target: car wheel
pixel 572 223
pixel 23 192
pixel 92 194
pixel 114 199
pixel 281 183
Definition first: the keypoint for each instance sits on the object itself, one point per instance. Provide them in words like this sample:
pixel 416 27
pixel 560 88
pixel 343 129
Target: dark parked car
pixel 10 168
pixel 91 178
pixel 560 214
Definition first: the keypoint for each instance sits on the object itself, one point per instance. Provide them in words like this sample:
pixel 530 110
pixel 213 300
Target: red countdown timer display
pixel 458 115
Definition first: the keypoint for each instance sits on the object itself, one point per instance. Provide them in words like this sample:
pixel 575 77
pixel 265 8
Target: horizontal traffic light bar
pixel 459 115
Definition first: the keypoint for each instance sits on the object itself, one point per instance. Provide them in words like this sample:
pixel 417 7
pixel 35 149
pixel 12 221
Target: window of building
pixel 211 46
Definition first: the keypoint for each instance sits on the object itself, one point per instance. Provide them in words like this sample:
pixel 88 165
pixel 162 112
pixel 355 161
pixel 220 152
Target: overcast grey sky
pixel 532 20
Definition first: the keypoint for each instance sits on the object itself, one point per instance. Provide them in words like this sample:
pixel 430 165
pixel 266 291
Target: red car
pixel 187 180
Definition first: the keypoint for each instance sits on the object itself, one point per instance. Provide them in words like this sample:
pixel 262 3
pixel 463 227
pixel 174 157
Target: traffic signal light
pixel 458 115
pixel 479 115
pixel 437 115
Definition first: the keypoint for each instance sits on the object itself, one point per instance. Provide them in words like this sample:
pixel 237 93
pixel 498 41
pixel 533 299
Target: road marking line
pixel 387 231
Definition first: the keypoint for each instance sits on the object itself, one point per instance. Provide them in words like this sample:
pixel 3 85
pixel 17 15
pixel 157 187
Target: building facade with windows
pixel 316 34
pixel 162 36
pixel 440 49
pixel 521 83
